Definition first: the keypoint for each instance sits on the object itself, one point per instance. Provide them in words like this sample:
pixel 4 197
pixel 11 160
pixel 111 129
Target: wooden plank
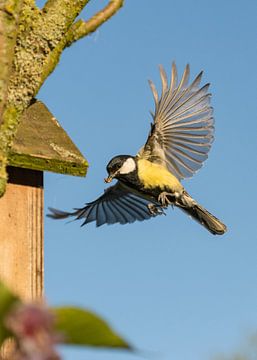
pixel 21 233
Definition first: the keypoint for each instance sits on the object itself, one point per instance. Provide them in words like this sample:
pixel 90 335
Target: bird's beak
pixel 108 179
pixel 111 177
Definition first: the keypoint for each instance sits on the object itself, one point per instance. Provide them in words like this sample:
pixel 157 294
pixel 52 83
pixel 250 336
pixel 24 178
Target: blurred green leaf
pixel 7 300
pixel 81 327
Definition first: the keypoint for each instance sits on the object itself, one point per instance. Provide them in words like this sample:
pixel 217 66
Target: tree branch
pixel 82 28
pixel 9 14
pixel 9 17
pixel 31 4
pixel 42 36
pixel 39 33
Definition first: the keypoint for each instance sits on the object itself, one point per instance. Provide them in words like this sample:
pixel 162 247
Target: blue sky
pixel 167 285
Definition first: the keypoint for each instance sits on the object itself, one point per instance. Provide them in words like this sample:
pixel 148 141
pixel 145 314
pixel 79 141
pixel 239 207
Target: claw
pixel 166 199
pixel 155 210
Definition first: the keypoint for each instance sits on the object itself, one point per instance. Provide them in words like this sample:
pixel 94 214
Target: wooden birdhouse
pixel 40 145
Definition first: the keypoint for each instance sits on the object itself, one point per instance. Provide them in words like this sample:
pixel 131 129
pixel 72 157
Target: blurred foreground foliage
pixel 37 328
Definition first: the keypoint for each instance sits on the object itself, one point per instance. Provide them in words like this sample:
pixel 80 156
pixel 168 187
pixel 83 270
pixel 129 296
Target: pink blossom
pixel 33 328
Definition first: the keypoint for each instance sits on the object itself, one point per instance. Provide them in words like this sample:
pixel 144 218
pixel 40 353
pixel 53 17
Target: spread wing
pixel 118 204
pixel 182 129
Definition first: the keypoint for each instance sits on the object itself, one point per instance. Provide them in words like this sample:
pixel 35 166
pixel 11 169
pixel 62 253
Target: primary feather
pixel 182 129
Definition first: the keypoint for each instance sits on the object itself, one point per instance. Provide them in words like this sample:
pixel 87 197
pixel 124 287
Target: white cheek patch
pixel 128 166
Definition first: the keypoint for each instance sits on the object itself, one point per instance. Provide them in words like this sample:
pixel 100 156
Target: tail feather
pixel 59 214
pixel 200 214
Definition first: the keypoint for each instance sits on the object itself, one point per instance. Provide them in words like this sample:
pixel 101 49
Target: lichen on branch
pixel 38 39
pixel 82 28
pixel 9 15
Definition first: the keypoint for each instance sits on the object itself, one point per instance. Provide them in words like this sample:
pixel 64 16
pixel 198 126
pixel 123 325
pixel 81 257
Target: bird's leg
pixel 166 198
pixel 155 210
pixel 152 209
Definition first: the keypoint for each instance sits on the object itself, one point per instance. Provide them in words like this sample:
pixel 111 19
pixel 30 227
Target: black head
pixel 120 165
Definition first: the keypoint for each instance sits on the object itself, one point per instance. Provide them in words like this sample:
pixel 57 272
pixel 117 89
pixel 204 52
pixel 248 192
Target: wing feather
pixel 164 80
pixel 126 210
pixel 101 216
pixel 90 214
pixel 118 204
pixel 154 91
pixel 137 212
pixel 182 132
pixel 120 215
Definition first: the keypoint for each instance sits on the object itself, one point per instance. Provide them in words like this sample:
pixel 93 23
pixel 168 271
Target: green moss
pixel 33 42
pixel 8 126
pixel 57 166
pixel 10 121
pixel 40 42
pixel 3 182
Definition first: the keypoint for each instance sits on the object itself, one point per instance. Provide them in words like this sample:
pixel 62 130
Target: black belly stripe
pixel 133 181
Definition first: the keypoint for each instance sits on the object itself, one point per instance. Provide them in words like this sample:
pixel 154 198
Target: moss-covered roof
pixel 42 144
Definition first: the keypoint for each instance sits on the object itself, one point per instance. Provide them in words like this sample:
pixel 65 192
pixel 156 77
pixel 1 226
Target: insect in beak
pixel 108 179
pixel 111 177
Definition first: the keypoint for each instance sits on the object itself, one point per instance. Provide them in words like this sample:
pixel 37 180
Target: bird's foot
pixel 155 210
pixel 166 199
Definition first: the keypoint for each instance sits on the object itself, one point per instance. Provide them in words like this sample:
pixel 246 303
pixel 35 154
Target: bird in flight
pixel 180 138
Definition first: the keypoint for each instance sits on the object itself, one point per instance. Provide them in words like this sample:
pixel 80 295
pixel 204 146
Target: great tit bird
pixel 178 143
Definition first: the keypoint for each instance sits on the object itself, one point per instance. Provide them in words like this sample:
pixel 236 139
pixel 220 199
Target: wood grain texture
pixel 21 233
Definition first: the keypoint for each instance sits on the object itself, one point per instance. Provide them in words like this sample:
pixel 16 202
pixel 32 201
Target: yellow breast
pixel 155 175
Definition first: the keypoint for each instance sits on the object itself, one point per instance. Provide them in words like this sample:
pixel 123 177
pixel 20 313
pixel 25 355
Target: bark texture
pixel 31 43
